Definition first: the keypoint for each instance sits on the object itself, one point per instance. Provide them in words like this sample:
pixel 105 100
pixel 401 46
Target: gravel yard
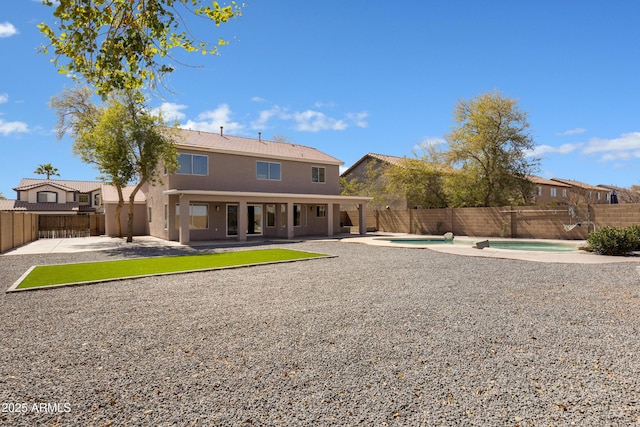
pixel 376 336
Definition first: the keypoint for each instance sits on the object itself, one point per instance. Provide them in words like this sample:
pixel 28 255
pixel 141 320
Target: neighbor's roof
pixel 110 194
pixel 543 181
pixel 392 160
pixel 251 147
pixel 579 184
pixel 19 205
pixel 63 184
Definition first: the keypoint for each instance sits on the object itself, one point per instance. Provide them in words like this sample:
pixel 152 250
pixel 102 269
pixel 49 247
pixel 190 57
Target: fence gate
pixel 62 226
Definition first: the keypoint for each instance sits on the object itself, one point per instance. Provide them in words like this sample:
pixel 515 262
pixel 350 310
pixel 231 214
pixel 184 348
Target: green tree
pixel 372 182
pixel 124 141
pixel 490 144
pixel 46 169
pixel 126 44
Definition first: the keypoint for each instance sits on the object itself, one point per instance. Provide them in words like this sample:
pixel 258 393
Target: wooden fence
pixel 558 222
pixel 56 226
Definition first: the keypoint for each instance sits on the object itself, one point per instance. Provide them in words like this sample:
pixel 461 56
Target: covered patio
pixel 243 200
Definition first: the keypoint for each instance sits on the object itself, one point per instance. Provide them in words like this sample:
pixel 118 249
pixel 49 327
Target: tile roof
pixel 215 142
pixel 579 184
pixel 544 181
pixel 63 184
pixel 393 160
pixel 19 205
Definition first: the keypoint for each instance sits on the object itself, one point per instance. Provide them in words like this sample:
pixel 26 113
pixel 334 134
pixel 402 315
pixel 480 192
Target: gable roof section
pixel 215 142
pixel 62 184
pixel 393 160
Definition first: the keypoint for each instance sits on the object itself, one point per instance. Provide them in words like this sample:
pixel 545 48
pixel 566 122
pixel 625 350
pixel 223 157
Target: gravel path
pixel 376 336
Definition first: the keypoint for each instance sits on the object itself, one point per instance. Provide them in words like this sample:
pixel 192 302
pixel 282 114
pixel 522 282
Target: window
pixel 318 174
pixel 268 170
pixel 271 215
pixel 198 216
pixel 166 217
pixel 539 193
pixel 564 192
pixel 553 192
pixel 96 199
pixel 47 197
pixel 297 215
pixel 83 198
pixel 598 195
pixel 193 164
pixel 149 213
pixel 321 211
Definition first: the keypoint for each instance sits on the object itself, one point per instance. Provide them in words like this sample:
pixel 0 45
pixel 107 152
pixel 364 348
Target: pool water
pixel 519 245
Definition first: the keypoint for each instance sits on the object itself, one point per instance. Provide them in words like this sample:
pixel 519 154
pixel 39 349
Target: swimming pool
pixel 517 245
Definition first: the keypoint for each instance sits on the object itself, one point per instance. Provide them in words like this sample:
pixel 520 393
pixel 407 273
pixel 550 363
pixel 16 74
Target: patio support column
pixel 290 220
pixel 185 235
pixel 362 211
pixel 329 219
pixel 242 220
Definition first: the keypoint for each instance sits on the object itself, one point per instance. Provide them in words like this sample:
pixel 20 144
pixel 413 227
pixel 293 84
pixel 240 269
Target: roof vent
pixel 221 128
pixel 259 136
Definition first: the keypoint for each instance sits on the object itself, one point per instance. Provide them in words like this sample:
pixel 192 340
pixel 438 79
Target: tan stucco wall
pixel 238 173
pixel 139 219
pixel 17 228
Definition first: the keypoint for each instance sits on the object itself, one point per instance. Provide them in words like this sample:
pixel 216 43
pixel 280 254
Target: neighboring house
pixel 369 170
pixel 622 195
pixel 549 191
pixel 56 196
pixel 229 187
pixel 585 193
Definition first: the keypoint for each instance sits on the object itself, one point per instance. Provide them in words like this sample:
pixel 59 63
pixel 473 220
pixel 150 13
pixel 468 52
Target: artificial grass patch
pixel 51 275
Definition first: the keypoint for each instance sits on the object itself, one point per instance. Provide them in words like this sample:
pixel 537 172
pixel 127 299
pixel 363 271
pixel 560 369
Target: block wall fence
pixel 536 222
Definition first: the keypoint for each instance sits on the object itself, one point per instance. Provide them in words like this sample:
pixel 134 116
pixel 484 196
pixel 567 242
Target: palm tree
pixel 47 169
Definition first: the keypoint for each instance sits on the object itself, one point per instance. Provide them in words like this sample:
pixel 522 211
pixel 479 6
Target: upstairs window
pixel 539 191
pixel 268 170
pixel 193 164
pixel 553 192
pixel 47 197
pixel 318 174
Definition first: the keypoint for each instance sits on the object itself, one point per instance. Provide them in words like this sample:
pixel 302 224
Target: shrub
pixel 636 230
pixel 613 240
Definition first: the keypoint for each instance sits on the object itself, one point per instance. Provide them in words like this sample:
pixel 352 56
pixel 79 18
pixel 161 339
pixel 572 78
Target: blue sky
pixel 351 77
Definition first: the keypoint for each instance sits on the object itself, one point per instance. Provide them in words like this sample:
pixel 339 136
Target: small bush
pixel 636 230
pixel 613 240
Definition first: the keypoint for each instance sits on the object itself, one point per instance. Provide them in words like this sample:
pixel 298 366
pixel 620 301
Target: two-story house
pixel 229 187
pixel 581 192
pixel 57 196
pixel 547 191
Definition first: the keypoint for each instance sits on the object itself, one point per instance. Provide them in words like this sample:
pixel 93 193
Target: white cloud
pixel 576 131
pixel 210 121
pixel 171 111
pixel 4 98
pixel 315 121
pixel 257 99
pixel 310 120
pixel 8 128
pixel 563 149
pixel 7 29
pixel 626 142
pixel 358 119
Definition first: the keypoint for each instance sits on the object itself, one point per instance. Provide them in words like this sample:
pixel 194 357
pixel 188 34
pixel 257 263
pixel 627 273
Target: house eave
pixel 267 197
